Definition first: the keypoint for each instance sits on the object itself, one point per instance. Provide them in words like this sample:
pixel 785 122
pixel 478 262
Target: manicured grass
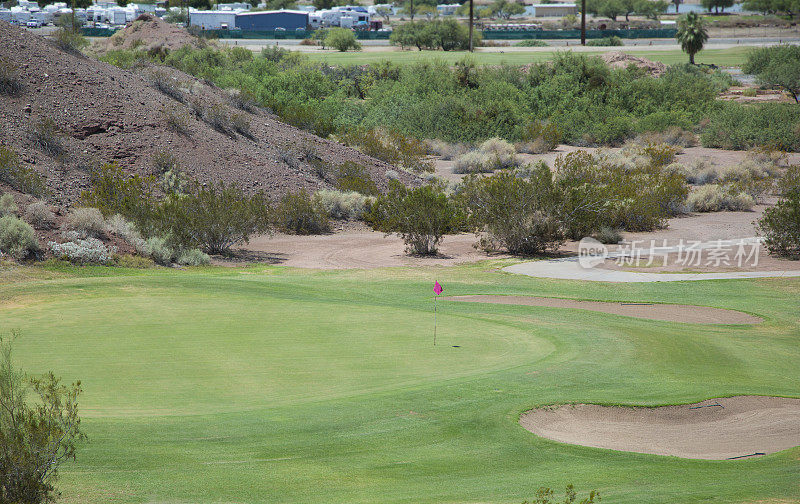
pixel 720 57
pixel 267 384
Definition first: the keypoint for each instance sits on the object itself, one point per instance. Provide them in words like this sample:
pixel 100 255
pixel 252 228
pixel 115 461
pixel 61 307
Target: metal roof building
pixel 272 20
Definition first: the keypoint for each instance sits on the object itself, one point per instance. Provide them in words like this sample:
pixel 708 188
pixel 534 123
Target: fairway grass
pixel 720 57
pixel 269 384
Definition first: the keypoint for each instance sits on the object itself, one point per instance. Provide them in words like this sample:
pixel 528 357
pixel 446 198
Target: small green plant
pixel 10 83
pixel 21 178
pixel 47 137
pixel 176 120
pixel 608 235
pixel 299 213
pixel 69 40
pixel 546 496
pixel 531 43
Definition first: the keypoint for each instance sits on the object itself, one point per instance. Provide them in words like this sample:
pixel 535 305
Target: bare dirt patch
pixel 665 312
pixel 151 34
pixel 718 429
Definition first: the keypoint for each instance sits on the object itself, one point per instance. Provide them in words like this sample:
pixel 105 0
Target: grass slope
pixel 267 384
pixel 721 57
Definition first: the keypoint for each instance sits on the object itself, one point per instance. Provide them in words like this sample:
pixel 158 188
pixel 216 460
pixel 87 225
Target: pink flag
pixel 437 288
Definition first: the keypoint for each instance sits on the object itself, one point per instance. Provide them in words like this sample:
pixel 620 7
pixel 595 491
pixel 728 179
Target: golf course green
pixel 270 384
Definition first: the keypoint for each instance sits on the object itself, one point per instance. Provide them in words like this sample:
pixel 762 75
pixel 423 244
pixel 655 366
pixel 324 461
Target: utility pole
pixel 470 24
pixel 583 22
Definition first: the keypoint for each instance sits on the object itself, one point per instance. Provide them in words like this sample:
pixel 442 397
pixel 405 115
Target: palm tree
pixel 692 34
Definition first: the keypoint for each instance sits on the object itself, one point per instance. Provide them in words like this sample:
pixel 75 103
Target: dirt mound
pixel 99 113
pixel 151 34
pixel 618 59
pixel 717 429
pixel 666 312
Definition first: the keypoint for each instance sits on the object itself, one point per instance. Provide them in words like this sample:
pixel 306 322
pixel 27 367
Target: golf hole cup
pixel 591 252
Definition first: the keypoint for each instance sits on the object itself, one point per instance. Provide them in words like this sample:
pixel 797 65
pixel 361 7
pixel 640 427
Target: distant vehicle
pixel 102 26
pixel 33 24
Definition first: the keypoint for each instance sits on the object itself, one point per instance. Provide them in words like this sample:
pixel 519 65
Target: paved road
pixel 571 269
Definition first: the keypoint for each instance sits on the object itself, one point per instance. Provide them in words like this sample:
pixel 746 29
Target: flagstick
pixel 434 319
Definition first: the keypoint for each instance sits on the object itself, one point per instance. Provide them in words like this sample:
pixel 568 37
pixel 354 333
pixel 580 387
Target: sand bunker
pixel 718 429
pixel 664 312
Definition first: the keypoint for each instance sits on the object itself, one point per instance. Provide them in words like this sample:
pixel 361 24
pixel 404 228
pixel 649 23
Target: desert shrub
pixel 674 136
pixel 447 150
pixel 352 176
pixel 420 216
pixel 176 120
pixel 605 41
pixel 546 496
pixel 750 176
pixel 10 82
pixel 17 238
pixel 39 215
pixel 114 192
pixel 82 251
pixel 518 214
pixel 163 161
pixel 749 92
pixel 274 53
pixel 193 257
pixel 700 171
pixel 743 126
pixel 493 154
pixel 391 147
pixel 780 224
pixel 241 124
pixel 213 218
pixel 159 250
pixel 244 99
pixel 167 85
pixel 7 205
pixel 608 235
pixel 776 66
pixel 539 137
pixel 531 43
pixel 47 137
pixel 69 40
pixel 21 178
pixel 718 198
pixel 392 175
pixel 342 39
pixel 218 117
pixel 299 213
pixel 448 35
pixel 86 221
pixel 618 191
pixel 349 205
pixel 119 226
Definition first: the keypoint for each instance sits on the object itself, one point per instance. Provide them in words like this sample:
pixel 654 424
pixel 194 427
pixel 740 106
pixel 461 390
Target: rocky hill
pixel 74 113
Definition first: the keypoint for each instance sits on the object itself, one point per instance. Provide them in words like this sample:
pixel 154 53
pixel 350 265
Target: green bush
pixel 213 218
pixel 531 43
pixel 776 66
pixel 448 35
pixel 193 257
pixel 159 250
pixel 69 40
pixel 351 176
pixel 780 225
pixel 299 213
pixel 520 215
pixel 170 87
pixel 391 147
pixel 608 235
pixel 17 238
pixel 114 192
pixel 605 41
pixel 420 216
pixel 7 205
pixel 746 126
pixel 342 39
pixel 21 178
